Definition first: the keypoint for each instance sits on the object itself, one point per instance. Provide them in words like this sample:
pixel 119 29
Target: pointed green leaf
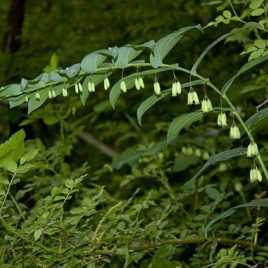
pixel 182 122
pixel 233 32
pixel 243 69
pixel 258 120
pixel 91 62
pixel 126 55
pixel 214 159
pixel 229 212
pixel 165 44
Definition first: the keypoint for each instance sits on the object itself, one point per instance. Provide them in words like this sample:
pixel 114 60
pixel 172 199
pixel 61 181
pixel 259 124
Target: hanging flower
pixel 157 88
pixel 206 105
pixel 176 88
pixel 141 82
pixel 192 97
pixel 106 83
pixel 137 83
pixel 64 92
pixel 37 96
pixel 255 175
pixel 123 86
pixel 252 150
pixel 80 87
pixel 234 132
pixel 222 120
pixel 76 88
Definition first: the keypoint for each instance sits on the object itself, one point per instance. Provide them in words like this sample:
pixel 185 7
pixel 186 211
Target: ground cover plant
pixel 144 154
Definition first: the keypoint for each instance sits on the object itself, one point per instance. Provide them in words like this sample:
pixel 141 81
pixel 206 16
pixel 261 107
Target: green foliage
pixel 174 194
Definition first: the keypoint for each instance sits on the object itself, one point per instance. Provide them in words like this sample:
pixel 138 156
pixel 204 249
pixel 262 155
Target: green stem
pixel 7 192
pixel 206 81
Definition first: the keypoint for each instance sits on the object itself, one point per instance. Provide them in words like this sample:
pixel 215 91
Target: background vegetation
pixel 86 186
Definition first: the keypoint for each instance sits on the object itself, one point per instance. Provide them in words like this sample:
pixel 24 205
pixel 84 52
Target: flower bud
pixel 197 152
pixel 189 151
pixel 123 86
pixel 106 83
pixel 91 86
pixel 234 132
pixel 76 88
pixel 64 92
pixel 157 88
pixel 252 150
pixel 206 105
pixel 80 87
pixel 49 94
pixel 26 98
pixel 183 150
pixel 205 155
pixel 37 96
pixel 222 121
pixel 53 93
pixel 137 83
pixel 141 82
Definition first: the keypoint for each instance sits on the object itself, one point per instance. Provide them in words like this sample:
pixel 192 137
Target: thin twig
pixel 91 140
pixel 262 104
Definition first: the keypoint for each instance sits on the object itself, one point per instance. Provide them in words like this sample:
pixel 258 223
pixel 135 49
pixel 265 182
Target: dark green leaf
pixel 165 44
pixel 243 69
pixel 182 122
pixel 214 159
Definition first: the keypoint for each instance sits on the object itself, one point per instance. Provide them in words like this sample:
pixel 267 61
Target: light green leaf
pixel 257 12
pixel 28 156
pixel 260 43
pixel 37 234
pixel 243 69
pixel 11 90
pixel 152 100
pixel 126 55
pixel 165 44
pixel 227 14
pixel 91 62
pixel 14 147
pixel 255 4
pixel 214 159
pixel 182 122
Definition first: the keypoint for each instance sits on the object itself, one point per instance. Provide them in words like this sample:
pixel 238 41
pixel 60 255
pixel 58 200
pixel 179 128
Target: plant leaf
pixel 258 120
pixel 243 69
pixel 165 44
pixel 233 32
pixel 229 212
pixel 214 159
pixel 91 62
pixel 181 122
